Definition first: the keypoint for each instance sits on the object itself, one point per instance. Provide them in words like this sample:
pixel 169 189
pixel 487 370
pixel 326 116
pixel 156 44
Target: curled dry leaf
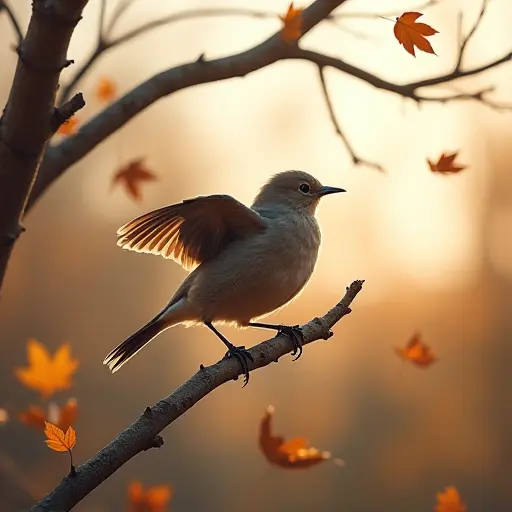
pixel 106 90
pixel 446 164
pixel 411 34
pixel 132 176
pixel 44 373
pixel 293 454
pixel 63 418
pixel 449 501
pixel 417 352
pixel 292 24
pixel 153 499
pixel 57 439
pixel 69 127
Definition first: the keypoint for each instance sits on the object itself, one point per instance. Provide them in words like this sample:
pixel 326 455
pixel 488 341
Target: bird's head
pixel 294 189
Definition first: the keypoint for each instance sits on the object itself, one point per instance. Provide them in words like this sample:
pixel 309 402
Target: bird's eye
pixel 304 188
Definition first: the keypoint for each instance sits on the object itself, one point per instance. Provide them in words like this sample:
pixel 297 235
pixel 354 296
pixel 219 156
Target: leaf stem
pixel 72 471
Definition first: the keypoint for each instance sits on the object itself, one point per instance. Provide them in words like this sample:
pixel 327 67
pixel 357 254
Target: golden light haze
pixel 435 252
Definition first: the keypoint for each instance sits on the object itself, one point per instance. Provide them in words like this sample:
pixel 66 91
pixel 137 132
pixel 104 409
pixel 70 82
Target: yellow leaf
pixel 44 373
pixel 57 439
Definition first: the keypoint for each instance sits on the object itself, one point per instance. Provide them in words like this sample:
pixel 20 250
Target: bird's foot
pixel 293 332
pixel 243 356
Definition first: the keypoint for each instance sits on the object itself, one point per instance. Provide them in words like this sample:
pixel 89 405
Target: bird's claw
pixel 243 356
pixel 293 332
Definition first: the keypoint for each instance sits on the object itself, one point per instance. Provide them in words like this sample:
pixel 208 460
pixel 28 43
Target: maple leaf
pixel 63 418
pixel 44 374
pixel 446 164
pixel 152 499
pixel 57 439
pixel 417 352
pixel 292 24
pixel 449 501
pixel 293 454
pixel 69 127
pixel 132 175
pixel 411 34
pixel 106 90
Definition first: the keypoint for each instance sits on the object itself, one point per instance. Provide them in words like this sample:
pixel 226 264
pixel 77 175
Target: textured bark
pixel 28 119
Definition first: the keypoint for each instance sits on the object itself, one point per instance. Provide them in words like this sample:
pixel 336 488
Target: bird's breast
pixel 255 276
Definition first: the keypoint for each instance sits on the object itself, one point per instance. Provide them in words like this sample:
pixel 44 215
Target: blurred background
pixel 435 251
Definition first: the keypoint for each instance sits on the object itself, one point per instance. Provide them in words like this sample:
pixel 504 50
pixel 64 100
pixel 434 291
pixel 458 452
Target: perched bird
pixel 245 262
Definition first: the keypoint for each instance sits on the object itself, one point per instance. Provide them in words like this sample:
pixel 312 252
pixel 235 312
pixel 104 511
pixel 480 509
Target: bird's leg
pixel 292 331
pixel 241 353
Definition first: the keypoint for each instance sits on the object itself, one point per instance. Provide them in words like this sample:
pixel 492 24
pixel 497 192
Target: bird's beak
pixel 330 190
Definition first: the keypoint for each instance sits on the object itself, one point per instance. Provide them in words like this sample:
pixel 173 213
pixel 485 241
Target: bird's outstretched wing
pixel 190 232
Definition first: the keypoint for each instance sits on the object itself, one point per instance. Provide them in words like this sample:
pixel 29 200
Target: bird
pixel 244 263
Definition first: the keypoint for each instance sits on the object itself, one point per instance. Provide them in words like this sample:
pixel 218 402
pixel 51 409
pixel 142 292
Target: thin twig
pixel 121 7
pixel 355 158
pixel 141 434
pixel 463 41
pixel 4 6
pixel 101 21
pixel 389 14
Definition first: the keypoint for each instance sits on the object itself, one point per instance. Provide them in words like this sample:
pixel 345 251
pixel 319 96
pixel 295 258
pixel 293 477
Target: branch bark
pixel 28 120
pixel 59 158
pixel 143 434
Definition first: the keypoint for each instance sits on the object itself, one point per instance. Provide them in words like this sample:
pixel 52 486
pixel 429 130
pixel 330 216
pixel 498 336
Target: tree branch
pixel 26 124
pixel 4 6
pixel 337 128
pixel 68 152
pixel 143 433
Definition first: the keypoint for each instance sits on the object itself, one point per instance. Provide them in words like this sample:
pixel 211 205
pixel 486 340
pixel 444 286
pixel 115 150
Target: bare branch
pixel 355 158
pixel 121 7
pixel 141 434
pixel 463 41
pixel 107 43
pixel 101 22
pixel 4 6
pixel 390 14
pixel 66 111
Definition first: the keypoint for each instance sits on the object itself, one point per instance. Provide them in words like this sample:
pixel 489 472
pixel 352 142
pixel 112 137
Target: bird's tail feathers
pixel 129 347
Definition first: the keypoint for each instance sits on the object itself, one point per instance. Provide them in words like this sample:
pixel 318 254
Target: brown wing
pixel 190 232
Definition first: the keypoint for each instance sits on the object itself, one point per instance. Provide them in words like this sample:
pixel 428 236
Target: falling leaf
pixel 63 418
pixel 69 127
pixel 411 34
pixel 44 373
pixel 57 439
pixel 4 416
pixel 292 24
pixel 293 454
pixel 449 501
pixel 132 176
pixel 152 499
pixel 106 90
pixel 417 352
pixel 446 164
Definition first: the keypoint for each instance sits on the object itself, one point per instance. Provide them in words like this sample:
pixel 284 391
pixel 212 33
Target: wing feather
pixel 190 232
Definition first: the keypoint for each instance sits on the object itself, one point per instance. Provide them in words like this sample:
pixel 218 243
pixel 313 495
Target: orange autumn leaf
pixel 293 454
pixel 417 352
pixel 152 499
pixel 449 501
pixel 4 416
pixel 446 164
pixel 44 373
pixel 106 90
pixel 411 34
pixel 69 127
pixel 292 24
pixel 131 176
pixel 57 439
pixel 63 418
